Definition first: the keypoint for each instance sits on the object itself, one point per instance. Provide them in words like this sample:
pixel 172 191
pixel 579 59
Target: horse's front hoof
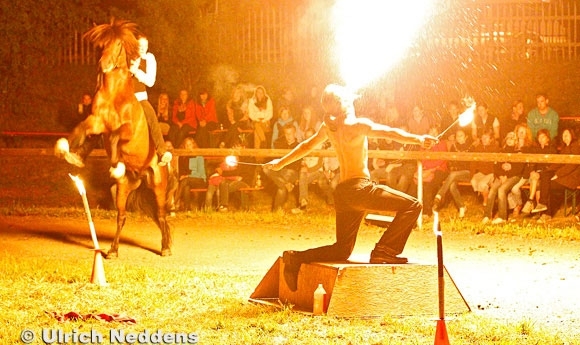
pixel 111 255
pixel 118 171
pixel 166 252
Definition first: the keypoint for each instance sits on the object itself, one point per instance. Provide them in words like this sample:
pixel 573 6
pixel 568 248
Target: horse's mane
pixel 105 34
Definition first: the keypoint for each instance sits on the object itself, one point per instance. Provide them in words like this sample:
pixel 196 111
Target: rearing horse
pixel 118 115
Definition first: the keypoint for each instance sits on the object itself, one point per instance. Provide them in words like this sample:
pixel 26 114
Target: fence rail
pixel 395 155
pixel 284 32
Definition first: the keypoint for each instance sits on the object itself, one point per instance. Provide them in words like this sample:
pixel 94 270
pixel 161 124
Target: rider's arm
pixel 148 78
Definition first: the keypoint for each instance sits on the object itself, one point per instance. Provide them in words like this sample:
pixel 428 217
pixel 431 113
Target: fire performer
pixel 356 193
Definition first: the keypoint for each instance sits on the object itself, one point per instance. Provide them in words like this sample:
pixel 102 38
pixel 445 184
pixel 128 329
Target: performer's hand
pixel 427 141
pixel 274 164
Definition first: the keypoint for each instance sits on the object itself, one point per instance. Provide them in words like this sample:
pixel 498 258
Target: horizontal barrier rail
pixel 391 155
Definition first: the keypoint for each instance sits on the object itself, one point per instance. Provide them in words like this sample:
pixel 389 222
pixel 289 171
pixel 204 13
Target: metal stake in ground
pixel 441 337
pixel 98 274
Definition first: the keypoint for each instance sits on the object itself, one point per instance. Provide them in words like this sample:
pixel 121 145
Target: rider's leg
pixel 155 131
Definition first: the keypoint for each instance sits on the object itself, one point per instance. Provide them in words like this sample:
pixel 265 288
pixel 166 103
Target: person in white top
pixel 144 70
pixel 260 111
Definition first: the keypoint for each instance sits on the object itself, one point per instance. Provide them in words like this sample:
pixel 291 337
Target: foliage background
pixel 36 94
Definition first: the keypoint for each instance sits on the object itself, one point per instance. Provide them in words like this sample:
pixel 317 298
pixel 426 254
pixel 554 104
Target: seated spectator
pixel 191 174
pixel 284 118
pixel 238 120
pixel 260 111
pixel 524 144
pixel 183 119
pixel 331 176
pixel 482 172
pixel 385 171
pixel 483 122
pixel 164 114
pixel 308 120
pixel 226 179
pixel 310 171
pixel 435 171
pixel 558 176
pixel 543 145
pixel 206 115
pixel 459 171
pixel 448 120
pixel 516 117
pixel 418 123
pixel 285 178
pixel 506 174
pixel 172 180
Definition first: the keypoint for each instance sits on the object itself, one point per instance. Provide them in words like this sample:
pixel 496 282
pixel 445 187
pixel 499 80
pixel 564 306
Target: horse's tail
pixel 143 200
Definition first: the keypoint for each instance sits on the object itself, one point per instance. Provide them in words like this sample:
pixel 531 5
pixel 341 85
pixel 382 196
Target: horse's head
pixel 118 42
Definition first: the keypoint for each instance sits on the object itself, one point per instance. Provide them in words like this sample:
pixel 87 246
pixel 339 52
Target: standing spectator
pixel 516 117
pixel 144 70
pixel 543 116
pixel 284 118
pixel 205 112
pixel 191 174
pixel 260 112
pixel 163 114
pixel 484 122
pixel 482 172
pixel 507 175
pixel 183 118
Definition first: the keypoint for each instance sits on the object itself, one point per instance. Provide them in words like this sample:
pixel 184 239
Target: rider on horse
pixel 144 70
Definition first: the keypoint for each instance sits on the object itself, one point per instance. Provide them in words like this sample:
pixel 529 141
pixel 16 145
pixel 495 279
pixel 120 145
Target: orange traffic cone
pixel 441 337
pixel 98 275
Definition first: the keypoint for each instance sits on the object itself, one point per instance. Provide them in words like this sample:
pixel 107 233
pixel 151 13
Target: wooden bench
pixel 247 191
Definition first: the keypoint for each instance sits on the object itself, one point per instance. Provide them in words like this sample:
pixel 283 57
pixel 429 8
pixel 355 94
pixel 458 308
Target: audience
pixel 543 117
pixel 506 175
pixel 207 121
pixel 183 118
pixel 260 111
pixel 191 175
pixel 482 172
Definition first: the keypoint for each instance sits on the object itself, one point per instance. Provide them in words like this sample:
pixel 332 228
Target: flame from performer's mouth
pixel 231 161
pixel 372 36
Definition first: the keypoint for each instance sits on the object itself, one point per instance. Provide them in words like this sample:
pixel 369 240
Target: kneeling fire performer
pixel 355 194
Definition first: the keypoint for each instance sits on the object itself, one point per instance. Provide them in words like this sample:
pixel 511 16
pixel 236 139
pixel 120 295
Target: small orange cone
pixel 441 337
pixel 98 275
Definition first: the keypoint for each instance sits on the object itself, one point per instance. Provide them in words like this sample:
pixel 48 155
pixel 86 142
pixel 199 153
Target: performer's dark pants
pixel 154 128
pixel 353 199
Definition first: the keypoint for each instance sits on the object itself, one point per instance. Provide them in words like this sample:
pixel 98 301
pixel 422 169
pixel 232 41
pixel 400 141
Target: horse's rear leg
pixel 121 197
pixel 159 189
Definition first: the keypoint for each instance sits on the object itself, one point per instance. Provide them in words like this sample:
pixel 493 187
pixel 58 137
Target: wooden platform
pixel 362 289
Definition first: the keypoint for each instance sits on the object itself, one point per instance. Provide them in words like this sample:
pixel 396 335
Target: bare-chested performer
pixel 356 194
